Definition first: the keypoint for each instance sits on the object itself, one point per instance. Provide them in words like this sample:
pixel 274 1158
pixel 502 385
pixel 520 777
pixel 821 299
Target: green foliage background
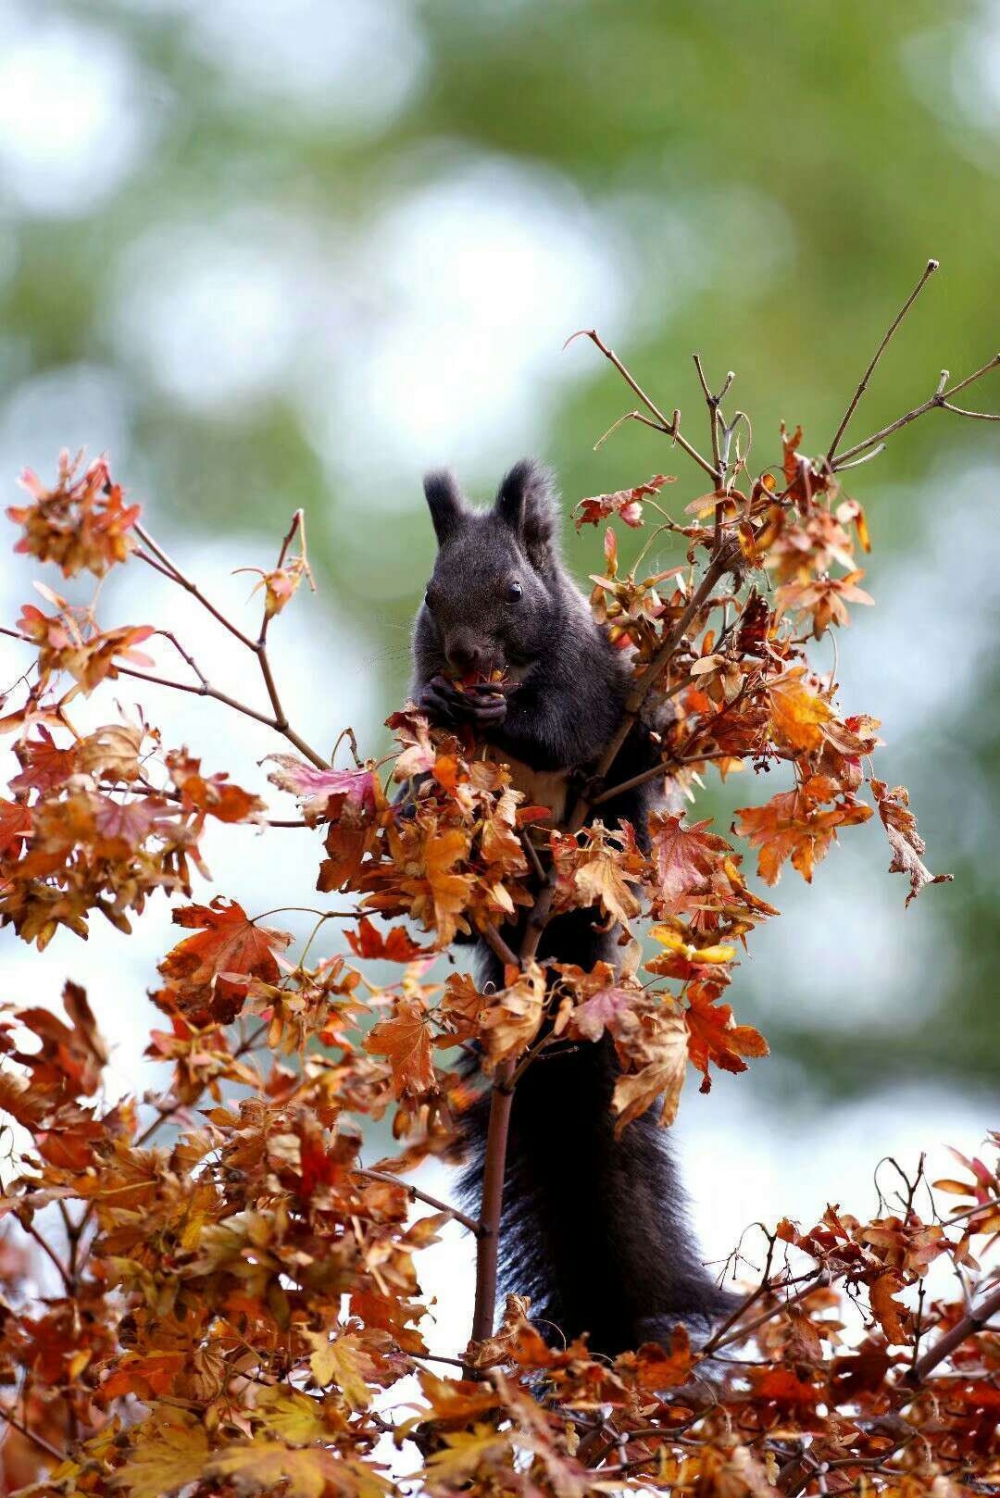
pixel 834 146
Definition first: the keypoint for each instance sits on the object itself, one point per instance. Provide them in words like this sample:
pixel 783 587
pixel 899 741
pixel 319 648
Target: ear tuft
pixel 528 503
pixel 444 500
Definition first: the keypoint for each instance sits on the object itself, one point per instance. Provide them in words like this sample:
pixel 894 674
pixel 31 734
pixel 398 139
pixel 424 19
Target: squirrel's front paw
pixel 483 706
pixel 439 701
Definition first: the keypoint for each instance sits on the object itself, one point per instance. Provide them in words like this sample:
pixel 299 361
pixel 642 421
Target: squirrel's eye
pixel 513 592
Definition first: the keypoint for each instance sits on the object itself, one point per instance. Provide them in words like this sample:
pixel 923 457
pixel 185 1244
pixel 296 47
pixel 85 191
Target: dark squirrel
pixel 594 1229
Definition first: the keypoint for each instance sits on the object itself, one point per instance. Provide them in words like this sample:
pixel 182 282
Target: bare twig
pixel 940 400
pixel 669 428
pixel 496 942
pixel 929 270
pixel 32 1435
pixel 946 1345
pixel 47 1248
pixel 422 1196
pixel 175 574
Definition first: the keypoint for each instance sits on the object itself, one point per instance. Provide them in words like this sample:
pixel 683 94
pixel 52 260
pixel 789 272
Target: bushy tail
pixel 594 1228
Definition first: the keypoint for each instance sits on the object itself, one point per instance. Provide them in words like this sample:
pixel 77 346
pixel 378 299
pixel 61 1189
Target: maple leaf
pixel 264 1466
pixel 394 945
pixel 893 1317
pixel 712 1036
pixel 685 859
pixel 16 826
pixel 207 974
pixel 794 825
pixel 314 787
pixel 602 1011
pixel 109 753
pixel 905 841
pixel 797 714
pixel 512 1017
pixel 625 503
pixel 406 1039
pixel 45 764
pixel 663 1053
pixel 654 1368
pixel 824 598
pixel 449 891
pixel 343 1361
pixel 166 1452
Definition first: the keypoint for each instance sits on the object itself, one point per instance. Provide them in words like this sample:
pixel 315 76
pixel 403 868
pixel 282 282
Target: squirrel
pixel 593 1227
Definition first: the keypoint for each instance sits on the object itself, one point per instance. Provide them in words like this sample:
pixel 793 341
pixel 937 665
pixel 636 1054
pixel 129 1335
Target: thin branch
pixel 741 1333
pixel 177 576
pixel 32 1435
pixel 47 1248
pixel 947 1344
pixel 940 400
pixel 496 942
pixel 422 1196
pixel 205 689
pixel 929 270
pixel 532 855
pixel 669 428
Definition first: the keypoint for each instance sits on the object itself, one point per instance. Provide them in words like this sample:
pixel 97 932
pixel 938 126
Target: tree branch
pixel 32 1435
pixel 941 399
pixel 494 1167
pixel 422 1196
pixel 947 1344
pixel 929 270
pixel 669 428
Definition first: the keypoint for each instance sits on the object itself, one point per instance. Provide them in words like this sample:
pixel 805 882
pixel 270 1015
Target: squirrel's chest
pixel 539 787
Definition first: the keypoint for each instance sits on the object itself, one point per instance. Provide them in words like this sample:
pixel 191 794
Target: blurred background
pixel 278 254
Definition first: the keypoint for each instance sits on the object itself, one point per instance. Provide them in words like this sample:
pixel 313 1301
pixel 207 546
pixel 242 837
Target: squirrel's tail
pixel 594 1227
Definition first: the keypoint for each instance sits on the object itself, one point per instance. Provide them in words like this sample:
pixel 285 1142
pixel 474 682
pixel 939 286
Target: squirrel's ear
pixel 527 502
pixel 444 502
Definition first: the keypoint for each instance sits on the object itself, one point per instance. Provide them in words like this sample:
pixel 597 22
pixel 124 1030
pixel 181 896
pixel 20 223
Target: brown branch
pixel 205 689
pixel 494 1167
pixel 741 1333
pixel 32 1435
pixel 669 428
pixel 929 270
pixel 946 1345
pixel 492 937
pixel 47 1248
pixel 279 720
pixel 940 400
pixel 422 1196
pixel 176 575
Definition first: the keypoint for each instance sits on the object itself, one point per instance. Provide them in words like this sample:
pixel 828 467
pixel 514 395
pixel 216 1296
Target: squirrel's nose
pixel 464 654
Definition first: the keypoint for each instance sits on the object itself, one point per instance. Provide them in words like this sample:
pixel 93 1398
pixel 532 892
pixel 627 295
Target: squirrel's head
pixel 493 595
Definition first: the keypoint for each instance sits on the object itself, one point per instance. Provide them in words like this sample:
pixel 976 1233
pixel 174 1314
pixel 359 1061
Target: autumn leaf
pixel 797 713
pixel 713 1037
pixel 81 523
pixel 166 1452
pixel 625 503
pixel 406 1038
pixel 314 787
pixel 207 973
pixel 511 1018
pixel 663 1050
pixel 905 841
pixel 795 825
pixel 394 945
pixel 685 858
pixel 891 1315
